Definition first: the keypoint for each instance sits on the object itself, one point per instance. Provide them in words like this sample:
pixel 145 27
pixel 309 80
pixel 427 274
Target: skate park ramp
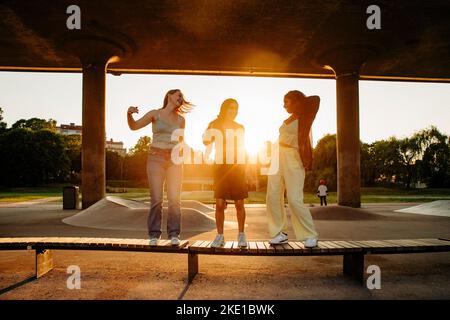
pixel 436 208
pixel 334 212
pixel 115 213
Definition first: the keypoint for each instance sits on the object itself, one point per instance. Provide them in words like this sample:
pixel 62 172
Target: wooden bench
pixel 44 246
pixel 352 251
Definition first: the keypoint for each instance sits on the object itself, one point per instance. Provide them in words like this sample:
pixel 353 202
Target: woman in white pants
pixel 295 157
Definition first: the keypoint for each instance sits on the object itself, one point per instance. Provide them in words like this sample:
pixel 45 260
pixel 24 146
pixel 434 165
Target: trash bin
pixel 71 198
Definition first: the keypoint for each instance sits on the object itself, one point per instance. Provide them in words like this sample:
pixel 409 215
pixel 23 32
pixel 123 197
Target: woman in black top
pixel 230 170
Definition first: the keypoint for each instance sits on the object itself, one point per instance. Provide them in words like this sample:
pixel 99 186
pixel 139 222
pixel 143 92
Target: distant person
pixel 295 157
pixel 322 192
pixel 160 167
pixel 229 177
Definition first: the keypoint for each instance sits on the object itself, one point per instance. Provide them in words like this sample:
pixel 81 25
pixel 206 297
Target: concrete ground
pixel 127 275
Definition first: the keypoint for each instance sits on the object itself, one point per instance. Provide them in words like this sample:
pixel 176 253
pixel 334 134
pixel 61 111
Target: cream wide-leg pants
pixel 290 176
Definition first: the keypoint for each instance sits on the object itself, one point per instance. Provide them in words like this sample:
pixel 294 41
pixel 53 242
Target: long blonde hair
pixel 185 107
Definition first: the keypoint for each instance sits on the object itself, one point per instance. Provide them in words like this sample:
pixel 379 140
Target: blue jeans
pixel 160 169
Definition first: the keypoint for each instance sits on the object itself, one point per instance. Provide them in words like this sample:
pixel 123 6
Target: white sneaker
pixel 153 241
pixel 311 242
pixel 219 241
pixel 175 241
pixel 242 240
pixel 280 238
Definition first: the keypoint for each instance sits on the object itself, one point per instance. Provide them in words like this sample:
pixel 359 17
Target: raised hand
pixel 132 110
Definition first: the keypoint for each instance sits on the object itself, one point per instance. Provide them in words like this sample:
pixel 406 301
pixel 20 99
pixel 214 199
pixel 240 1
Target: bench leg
pixel 354 266
pixel 192 266
pixel 44 262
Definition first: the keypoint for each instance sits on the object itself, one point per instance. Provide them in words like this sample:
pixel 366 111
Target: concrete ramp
pixel 436 208
pixel 115 213
pixel 335 212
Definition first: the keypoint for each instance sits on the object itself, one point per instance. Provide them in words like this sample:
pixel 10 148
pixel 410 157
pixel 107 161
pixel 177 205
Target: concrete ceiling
pixel 250 37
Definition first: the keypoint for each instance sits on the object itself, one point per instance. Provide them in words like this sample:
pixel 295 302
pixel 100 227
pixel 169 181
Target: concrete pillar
pixel 346 61
pixel 93 174
pixel 348 148
pixel 95 47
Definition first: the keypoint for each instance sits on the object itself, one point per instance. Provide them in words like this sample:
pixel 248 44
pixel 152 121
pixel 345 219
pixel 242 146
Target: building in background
pixel 67 129
pixel 116 146
pixel 72 128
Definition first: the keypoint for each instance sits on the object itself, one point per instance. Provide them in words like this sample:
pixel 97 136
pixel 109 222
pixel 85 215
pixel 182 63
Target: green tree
pixel 386 160
pixel 434 168
pixel 31 157
pixel 409 151
pixel 35 124
pixel 368 166
pixel 72 144
pixel 142 146
pixel 113 165
pixel 325 163
pixel 134 167
pixel 2 124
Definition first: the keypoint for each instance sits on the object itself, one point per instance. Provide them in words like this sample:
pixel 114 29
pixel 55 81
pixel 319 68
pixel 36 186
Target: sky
pixel 386 108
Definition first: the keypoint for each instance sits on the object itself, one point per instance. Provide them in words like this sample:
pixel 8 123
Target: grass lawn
pixel 30 193
pixel 369 195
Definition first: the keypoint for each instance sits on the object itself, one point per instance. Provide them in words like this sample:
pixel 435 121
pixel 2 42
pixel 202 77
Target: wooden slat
pixel 226 247
pixel 261 247
pixel 278 248
pixel 132 243
pixel 236 248
pixel 360 244
pixel 352 245
pixel 78 240
pixel 297 246
pixel 203 247
pixel 436 242
pixel 86 242
pixel 440 243
pixel 321 247
pixel 381 243
pixel 253 248
pixel 287 248
pixel 104 242
pixel 398 245
pixel 67 241
pixel 183 243
pixel 347 247
pixel 269 248
pixel 325 244
pixel 164 242
pixel 205 244
pixel 209 245
pixel 196 243
pixel 420 243
pixel 336 245
pixel 142 243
